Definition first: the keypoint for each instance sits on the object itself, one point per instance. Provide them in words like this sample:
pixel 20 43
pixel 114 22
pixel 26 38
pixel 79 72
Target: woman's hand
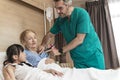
pixel 54 72
pixel 49 61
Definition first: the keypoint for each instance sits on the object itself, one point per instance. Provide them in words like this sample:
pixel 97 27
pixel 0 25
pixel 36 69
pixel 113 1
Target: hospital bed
pixel 90 73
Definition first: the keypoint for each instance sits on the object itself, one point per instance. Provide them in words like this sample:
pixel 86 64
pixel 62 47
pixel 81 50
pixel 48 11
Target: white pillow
pixel 2 59
pixel 1 75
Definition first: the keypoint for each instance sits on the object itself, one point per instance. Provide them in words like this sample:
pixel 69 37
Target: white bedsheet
pixel 83 74
pixel 43 66
pixel 74 74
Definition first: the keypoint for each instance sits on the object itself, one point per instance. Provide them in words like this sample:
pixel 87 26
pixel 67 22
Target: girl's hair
pixel 14 49
pixel 23 35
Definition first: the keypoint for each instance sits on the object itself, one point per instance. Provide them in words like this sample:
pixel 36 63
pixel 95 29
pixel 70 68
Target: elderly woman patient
pixel 28 39
pixel 16 68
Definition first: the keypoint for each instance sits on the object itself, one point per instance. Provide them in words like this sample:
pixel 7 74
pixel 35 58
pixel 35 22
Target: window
pixel 115 17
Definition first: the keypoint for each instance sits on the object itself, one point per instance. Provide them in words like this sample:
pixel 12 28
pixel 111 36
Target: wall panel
pixel 16 16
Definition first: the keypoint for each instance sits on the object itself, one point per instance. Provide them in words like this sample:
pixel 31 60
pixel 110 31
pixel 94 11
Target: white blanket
pixel 43 66
pixel 69 74
pixel 83 74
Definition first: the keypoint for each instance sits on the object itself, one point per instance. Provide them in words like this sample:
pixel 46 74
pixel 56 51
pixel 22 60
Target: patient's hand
pixel 49 61
pixel 54 72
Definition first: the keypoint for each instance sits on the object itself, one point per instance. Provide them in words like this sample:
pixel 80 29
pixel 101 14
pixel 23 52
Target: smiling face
pixel 30 40
pixel 61 8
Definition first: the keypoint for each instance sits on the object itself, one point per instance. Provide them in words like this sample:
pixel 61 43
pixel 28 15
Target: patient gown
pixel 29 73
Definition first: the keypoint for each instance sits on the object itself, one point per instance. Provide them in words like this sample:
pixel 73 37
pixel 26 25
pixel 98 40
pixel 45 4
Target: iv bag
pixel 49 14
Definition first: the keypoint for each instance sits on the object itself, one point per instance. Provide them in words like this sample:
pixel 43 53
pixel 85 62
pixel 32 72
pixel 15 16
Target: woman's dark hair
pixel 14 49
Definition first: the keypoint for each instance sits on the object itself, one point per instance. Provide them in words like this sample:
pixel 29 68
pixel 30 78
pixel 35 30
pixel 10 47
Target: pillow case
pixel 1 75
pixel 2 59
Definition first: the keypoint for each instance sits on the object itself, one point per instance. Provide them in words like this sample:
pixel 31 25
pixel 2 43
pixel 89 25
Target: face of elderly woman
pixel 30 40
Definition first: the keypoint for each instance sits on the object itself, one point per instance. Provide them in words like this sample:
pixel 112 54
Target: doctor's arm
pixel 45 40
pixel 74 43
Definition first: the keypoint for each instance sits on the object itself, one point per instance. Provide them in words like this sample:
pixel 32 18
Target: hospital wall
pixel 16 16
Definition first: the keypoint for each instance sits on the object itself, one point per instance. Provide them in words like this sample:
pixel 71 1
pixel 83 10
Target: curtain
pixel 100 16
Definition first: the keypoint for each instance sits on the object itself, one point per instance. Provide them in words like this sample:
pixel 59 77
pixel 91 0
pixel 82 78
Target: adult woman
pixel 29 40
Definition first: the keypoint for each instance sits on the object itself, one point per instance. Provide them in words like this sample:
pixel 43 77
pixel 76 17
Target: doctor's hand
pixel 41 49
pixel 55 51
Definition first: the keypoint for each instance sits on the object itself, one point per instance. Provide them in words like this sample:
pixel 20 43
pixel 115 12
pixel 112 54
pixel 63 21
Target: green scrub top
pixel 89 53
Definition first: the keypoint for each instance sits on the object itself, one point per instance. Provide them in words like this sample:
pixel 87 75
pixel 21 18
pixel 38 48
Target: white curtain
pixel 114 6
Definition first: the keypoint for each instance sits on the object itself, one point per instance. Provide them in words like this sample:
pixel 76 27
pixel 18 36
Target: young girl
pixel 16 68
pixel 29 40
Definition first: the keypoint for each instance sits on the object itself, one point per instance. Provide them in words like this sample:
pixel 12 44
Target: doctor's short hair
pixel 66 1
